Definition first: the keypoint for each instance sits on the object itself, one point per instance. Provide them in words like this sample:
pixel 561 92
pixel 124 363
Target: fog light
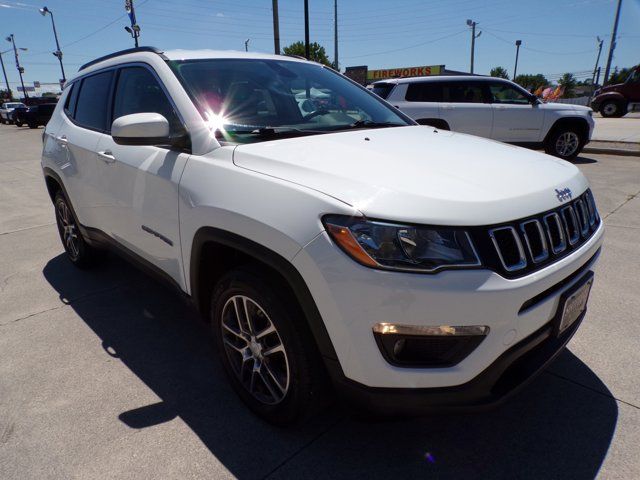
pixel 427 346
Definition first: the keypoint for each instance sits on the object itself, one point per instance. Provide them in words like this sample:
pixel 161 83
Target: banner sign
pixel 373 75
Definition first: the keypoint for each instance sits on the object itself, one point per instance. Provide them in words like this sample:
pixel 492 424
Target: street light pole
pixel 515 68
pixel 336 64
pixel 58 52
pixel 473 24
pixel 276 28
pixel 307 52
pixel 4 72
pixel 12 40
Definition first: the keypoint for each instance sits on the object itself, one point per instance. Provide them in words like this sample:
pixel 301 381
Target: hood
pixel 418 174
pixel 564 106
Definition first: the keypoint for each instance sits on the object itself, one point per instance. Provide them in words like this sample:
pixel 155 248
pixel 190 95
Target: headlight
pixel 391 246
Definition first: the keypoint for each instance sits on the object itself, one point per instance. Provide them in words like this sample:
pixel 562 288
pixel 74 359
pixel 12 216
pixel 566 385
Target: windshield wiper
pixel 372 124
pixel 269 132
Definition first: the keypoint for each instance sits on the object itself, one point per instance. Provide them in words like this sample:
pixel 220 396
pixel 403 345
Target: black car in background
pixel 33 116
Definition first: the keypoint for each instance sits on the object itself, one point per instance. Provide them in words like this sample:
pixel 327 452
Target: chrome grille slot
pixel 534 239
pixel 526 245
pixel 583 216
pixel 555 231
pixel 591 205
pixel 571 224
pixel 509 247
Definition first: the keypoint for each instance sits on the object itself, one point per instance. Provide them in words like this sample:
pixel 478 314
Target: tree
pixel 568 81
pixel 317 52
pixel 499 72
pixel 618 75
pixel 529 81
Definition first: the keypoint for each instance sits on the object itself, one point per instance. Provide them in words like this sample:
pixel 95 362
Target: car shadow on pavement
pixel 581 160
pixel 553 429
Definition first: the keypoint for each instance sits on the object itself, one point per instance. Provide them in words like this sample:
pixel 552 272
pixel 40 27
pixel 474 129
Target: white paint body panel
pixel 275 193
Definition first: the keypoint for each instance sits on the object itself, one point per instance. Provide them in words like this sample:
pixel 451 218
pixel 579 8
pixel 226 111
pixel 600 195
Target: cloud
pixel 219 14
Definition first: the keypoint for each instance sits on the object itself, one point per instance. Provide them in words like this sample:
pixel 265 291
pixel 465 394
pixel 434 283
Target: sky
pixel 557 36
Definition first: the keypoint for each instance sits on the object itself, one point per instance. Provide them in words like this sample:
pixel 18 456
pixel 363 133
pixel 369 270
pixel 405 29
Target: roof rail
pixel 293 56
pixel 121 52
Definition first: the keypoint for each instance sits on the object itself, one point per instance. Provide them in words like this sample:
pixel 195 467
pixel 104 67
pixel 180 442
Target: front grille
pixel 520 247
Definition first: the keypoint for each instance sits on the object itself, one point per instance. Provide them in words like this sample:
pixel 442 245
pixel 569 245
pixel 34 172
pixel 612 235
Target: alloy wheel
pixel 567 144
pixel 68 229
pixel 255 350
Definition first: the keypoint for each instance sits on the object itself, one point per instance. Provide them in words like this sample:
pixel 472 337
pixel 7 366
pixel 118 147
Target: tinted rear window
pixel 383 89
pixel 91 108
pixel 424 92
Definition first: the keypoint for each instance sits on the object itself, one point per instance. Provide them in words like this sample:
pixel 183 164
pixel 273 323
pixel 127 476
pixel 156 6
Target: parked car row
pixel 20 114
pixel 492 108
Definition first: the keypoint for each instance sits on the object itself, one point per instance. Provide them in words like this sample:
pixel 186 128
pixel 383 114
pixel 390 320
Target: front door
pixel 142 181
pixel 515 119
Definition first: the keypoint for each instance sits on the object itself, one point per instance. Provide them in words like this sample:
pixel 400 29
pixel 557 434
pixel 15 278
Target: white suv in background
pixel 492 108
pixel 324 237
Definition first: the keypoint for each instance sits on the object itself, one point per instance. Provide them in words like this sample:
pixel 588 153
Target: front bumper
pixel 352 298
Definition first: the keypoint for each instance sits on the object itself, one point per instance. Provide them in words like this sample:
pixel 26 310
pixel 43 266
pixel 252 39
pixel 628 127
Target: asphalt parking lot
pixel 106 374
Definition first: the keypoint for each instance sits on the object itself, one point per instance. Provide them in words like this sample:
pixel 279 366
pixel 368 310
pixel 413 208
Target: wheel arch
pixel 215 251
pixel 434 122
pixel 578 122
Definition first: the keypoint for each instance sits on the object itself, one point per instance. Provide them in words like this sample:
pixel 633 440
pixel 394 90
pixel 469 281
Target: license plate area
pixel 573 303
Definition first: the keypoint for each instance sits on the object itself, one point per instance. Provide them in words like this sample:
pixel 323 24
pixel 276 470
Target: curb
pixel 630 149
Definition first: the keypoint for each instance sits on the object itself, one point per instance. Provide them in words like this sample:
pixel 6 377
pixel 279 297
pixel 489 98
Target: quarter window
pixel 91 108
pixel 138 91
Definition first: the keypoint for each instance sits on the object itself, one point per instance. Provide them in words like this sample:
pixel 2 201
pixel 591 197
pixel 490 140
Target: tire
pixel 288 381
pixel 33 125
pixel 612 109
pixel 565 142
pixel 18 123
pixel 79 252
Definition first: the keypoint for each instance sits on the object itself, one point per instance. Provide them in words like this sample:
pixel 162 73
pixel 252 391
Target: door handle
pixel 107 156
pixel 448 107
pixel 501 107
pixel 62 140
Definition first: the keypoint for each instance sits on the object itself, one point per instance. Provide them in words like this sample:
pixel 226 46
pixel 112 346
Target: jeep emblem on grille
pixel 564 194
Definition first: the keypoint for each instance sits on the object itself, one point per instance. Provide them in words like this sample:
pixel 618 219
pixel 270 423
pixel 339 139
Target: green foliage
pixel 499 72
pixel 317 52
pixel 568 81
pixel 529 81
pixel 618 75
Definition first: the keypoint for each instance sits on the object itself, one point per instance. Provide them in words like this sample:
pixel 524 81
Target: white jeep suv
pixel 492 108
pixel 329 239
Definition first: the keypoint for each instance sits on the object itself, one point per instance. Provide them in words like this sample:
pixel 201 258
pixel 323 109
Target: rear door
pixel 419 100
pixel 84 123
pixel 515 119
pixel 140 183
pixel 465 107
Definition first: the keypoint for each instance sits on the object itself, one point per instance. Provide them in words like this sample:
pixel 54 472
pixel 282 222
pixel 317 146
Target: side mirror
pixel 141 129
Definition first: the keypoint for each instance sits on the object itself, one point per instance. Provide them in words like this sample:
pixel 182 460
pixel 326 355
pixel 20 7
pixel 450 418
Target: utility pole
pixel 595 69
pixel 336 64
pixel 58 52
pixel 134 30
pixel 4 72
pixel 473 24
pixel 307 52
pixel 276 28
pixel 612 45
pixel 515 68
pixel 12 40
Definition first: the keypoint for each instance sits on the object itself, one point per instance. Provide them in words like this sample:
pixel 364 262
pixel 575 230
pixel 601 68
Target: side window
pixel 72 99
pixel 138 91
pixel 505 93
pixel 91 107
pixel 424 92
pixel 460 92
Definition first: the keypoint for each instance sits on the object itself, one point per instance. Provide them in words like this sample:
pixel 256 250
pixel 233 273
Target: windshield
pixel 249 100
